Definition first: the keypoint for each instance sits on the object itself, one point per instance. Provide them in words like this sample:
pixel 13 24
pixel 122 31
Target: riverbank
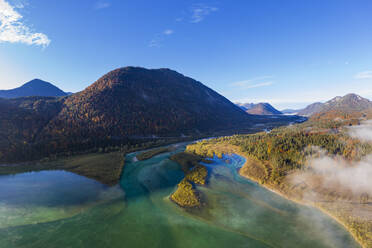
pixel 153 152
pixel 347 213
pixel 105 168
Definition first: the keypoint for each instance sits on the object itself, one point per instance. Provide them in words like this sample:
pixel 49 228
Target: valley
pixel 114 134
pixel 236 211
pixel 185 124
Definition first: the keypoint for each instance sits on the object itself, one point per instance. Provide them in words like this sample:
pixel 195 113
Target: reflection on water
pixel 86 214
pixel 37 197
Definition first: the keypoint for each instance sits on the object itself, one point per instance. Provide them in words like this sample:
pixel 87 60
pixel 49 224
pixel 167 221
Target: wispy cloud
pixel 156 41
pixel 364 75
pixel 196 14
pixel 200 11
pixel 159 38
pixel 254 82
pixel 14 31
pixel 249 85
pixel 101 5
pixel 168 32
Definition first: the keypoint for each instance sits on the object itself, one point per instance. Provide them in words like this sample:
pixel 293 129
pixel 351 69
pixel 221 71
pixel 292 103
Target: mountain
pixel 311 109
pixel 245 106
pixel 128 108
pixel 124 106
pixel 348 104
pixel 134 101
pixel 259 109
pixel 35 87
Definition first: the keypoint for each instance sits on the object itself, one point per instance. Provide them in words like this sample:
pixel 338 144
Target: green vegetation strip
pixel 153 152
pixel 186 195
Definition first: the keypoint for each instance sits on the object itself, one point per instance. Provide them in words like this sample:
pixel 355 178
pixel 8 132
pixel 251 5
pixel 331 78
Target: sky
pixel 289 53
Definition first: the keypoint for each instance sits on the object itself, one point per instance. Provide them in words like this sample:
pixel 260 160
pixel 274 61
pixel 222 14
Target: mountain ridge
pixel 343 104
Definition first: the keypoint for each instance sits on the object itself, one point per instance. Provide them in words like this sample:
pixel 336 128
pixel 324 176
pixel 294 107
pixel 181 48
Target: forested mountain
pixel 126 104
pixel 259 108
pixel 35 87
pixel 135 101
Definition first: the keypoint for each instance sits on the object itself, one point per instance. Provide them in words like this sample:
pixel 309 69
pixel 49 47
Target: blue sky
pixel 288 52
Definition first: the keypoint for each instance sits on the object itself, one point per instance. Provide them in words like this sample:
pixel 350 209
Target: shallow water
pixel 60 209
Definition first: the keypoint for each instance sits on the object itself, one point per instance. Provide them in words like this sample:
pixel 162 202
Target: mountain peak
pixel 35 87
pixel 36 83
pixel 346 104
pixel 128 75
pixel 349 101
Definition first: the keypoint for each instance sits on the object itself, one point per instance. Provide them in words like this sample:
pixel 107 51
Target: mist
pixel 338 172
pixel 362 132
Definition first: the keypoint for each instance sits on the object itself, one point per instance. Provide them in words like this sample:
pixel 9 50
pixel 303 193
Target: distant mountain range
pixel 35 87
pixel 349 103
pixel 259 109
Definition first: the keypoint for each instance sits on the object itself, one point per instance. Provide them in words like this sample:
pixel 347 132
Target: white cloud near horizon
pixel 101 5
pixel 12 30
pixel 254 82
pixel 249 85
pixel 364 75
pixel 200 11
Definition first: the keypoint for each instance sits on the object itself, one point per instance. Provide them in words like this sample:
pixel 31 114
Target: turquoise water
pixel 61 209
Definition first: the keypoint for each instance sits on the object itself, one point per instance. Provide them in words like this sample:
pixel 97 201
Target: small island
pixel 186 195
pixel 153 152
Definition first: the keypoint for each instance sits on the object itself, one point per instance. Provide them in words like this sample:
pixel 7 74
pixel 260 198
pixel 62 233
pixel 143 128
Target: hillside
pixel 311 109
pixel 140 102
pixel 245 106
pixel 35 87
pixel 348 103
pixel 128 108
pixel 259 109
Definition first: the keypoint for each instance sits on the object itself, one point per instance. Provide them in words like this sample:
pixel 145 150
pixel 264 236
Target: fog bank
pixel 362 132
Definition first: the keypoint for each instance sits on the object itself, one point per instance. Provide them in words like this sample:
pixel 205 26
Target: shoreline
pixel 307 204
pixel 301 202
pixel 357 234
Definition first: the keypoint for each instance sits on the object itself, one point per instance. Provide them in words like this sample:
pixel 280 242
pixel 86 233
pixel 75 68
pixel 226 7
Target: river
pixel 61 209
